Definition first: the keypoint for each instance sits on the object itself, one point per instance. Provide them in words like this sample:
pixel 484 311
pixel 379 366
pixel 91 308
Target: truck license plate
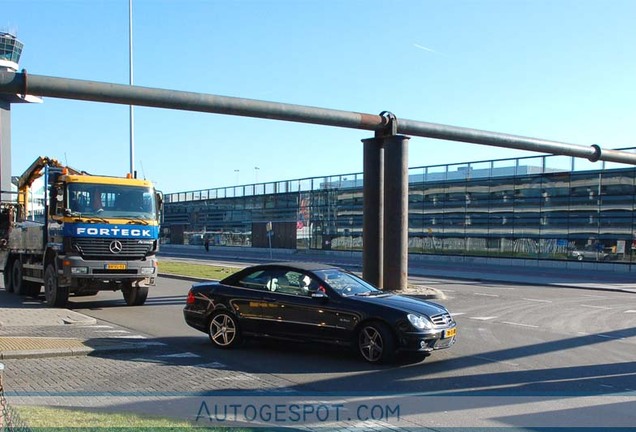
pixel 115 266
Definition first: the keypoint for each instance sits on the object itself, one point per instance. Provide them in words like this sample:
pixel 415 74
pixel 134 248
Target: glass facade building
pixel 545 207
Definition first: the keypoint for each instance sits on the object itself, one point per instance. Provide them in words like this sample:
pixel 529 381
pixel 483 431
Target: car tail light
pixel 191 298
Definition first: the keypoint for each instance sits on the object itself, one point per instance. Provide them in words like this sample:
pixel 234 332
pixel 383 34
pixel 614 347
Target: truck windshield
pixel 111 201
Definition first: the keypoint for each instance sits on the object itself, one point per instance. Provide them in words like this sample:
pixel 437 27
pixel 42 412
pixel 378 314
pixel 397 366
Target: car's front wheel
pixel 224 330
pixel 376 343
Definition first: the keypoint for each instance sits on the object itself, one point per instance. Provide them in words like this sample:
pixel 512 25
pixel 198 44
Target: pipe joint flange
pixel 597 153
pixel 389 124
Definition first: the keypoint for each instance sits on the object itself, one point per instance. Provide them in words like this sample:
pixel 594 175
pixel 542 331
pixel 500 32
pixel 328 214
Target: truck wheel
pixel 135 295
pixel 16 278
pixel 56 296
pixel 8 283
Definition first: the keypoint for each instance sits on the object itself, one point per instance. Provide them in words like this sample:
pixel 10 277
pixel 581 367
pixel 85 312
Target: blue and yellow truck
pixel 90 233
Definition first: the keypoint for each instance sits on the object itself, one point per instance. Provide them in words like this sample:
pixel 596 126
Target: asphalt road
pixel 525 354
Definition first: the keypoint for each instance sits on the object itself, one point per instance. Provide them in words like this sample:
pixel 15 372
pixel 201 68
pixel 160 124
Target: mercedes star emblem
pixel 116 246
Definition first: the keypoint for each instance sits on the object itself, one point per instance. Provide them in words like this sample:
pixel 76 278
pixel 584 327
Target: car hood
pixel 406 304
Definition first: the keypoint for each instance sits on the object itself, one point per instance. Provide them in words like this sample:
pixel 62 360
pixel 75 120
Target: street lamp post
pixel 130 68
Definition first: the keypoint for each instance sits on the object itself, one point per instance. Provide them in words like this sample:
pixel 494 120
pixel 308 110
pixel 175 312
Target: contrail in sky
pixel 424 48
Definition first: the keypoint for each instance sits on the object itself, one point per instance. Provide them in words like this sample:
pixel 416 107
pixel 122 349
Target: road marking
pixel 213 365
pixel 487 295
pixel 497 361
pixel 458 314
pixel 606 336
pixel 483 318
pixel 181 355
pixel 520 324
pixel 112 331
pixel 596 307
pixel 94 326
pixel 630 311
pixel 130 337
pixel 538 300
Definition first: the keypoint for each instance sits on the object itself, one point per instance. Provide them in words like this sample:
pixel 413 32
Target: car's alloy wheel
pixel 223 330
pixel 375 343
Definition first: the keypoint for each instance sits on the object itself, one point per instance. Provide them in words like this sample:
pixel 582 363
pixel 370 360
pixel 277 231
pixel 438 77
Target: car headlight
pixel 419 322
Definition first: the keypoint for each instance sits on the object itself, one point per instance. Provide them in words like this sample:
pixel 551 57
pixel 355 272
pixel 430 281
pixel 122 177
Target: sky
pixel 562 70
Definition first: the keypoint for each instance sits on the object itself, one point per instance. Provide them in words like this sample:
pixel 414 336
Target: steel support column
pixel 372 232
pixel 396 212
pixel 5 151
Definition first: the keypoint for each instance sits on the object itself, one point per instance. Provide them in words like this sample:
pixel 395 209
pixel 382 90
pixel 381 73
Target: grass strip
pixel 204 271
pixel 44 419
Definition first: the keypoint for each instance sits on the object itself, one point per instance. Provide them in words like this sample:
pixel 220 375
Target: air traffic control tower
pixel 10 52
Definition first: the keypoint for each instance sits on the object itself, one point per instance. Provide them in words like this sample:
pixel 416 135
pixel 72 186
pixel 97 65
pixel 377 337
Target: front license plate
pixel 115 266
pixel 449 333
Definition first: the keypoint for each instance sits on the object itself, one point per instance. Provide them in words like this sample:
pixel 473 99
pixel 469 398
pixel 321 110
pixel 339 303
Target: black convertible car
pixel 318 303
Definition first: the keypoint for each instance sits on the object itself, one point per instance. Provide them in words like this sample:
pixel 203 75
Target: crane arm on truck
pixel 31 174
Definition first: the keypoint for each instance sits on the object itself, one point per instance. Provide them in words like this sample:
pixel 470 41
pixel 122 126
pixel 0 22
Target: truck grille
pixel 104 248
pixel 442 319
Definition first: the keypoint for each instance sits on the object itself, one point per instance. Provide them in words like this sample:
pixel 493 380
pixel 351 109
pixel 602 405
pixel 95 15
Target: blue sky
pixel 562 70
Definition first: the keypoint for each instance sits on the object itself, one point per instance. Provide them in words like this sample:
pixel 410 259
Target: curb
pixel 72 351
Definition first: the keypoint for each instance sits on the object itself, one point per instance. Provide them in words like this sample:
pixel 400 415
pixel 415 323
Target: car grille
pixel 101 248
pixel 442 319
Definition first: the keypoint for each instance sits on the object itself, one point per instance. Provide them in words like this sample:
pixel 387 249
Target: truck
pixel 92 233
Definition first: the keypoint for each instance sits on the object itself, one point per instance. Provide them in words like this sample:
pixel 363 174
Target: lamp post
pixel 256 174
pixel 237 176
pixel 130 70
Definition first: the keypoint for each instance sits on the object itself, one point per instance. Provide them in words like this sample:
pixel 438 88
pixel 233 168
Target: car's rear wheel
pixel 376 343
pixel 224 330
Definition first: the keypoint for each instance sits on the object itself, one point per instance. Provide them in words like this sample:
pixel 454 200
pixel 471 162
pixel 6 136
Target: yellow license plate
pixel 449 333
pixel 115 266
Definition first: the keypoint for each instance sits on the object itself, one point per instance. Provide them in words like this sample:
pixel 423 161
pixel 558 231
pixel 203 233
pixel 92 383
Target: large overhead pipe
pixel 385 261
pixel 20 83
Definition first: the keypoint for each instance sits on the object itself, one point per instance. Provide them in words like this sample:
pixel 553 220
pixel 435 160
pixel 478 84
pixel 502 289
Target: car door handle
pixel 269 299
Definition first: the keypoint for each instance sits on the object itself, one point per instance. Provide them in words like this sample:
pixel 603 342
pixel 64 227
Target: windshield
pixel 345 283
pixel 114 201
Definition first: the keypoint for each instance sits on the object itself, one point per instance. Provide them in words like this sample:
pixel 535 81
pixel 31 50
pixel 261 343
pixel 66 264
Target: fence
pixel 9 418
